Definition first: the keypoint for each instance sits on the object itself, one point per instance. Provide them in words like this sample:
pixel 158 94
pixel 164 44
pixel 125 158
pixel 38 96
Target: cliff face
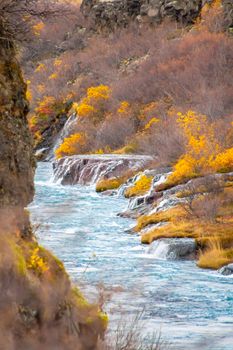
pixel 109 14
pixel 16 159
pixel 39 306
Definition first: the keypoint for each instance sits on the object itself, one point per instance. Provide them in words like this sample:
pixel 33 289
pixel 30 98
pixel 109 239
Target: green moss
pixel 18 257
pixel 104 319
pixel 21 262
pixel 79 298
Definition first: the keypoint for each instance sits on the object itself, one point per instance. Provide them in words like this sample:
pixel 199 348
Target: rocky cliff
pixel 109 14
pixel 16 160
pixel 39 306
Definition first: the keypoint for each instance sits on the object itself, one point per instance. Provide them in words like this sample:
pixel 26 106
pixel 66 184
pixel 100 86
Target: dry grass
pixel 181 230
pixel 215 256
pixel 162 216
pixel 131 334
pixel 201 230
pixel 214 238
pixel 109 184
pixel 115 182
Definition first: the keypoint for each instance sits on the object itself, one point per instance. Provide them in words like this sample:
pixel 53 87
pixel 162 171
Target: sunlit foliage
pixel 73 144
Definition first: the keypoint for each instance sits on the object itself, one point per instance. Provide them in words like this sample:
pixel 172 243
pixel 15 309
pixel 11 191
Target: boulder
pixel 226 270
pixel 173 248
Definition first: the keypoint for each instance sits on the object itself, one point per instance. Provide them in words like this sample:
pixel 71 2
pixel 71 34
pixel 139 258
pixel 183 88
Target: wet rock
pixel 226 270
pixel 65 129
pixel 173 248
pixel 50 135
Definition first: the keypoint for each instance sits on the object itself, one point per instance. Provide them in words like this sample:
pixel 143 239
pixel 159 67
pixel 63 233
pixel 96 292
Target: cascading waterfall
pixel 66 131
pixel 88 169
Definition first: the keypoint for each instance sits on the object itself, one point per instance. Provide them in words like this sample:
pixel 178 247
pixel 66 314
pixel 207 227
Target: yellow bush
pixel 84 109
pixel 37 263
pixel 71 145
pixel 91 106
pixel 109 184
pixel 57 62
pixel 98 92
pixel 124 108
pixel 186 168
pixel 53 76
pixel 203 154
pixel 223 162
pixel 141 186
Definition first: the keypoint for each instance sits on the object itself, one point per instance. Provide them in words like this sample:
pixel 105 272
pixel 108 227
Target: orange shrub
pixel 140 187
pixel 71 145
pixel 223 162
pixel 93 105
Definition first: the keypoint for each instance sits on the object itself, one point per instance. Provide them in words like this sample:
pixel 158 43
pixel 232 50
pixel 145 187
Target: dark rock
pixel 49 135
pixel 17 163
pixel 107 15
pixel 173 248
pixel 226 270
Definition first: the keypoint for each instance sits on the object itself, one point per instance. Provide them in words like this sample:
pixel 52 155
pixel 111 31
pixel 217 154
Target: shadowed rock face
pixel 16 158
pixel 109 14
pixel 227 270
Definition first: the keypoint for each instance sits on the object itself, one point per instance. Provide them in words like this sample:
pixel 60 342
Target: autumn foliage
pixel 140 187
pixel 203 153
pixel 73 144
pixel 128 88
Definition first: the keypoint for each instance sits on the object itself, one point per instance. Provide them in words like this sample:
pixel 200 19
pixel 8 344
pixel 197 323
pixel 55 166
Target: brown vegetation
pixel 153 72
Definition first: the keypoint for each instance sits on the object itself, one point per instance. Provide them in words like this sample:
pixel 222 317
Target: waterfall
pixel 88 169
pixel 173 248
pixel 159 249
pixel 66 131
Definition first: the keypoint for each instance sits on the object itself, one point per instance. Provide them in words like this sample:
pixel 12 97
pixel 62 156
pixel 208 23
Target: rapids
pixel 192 307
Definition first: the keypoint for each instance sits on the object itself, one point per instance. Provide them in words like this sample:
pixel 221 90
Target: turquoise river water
pixel 193 308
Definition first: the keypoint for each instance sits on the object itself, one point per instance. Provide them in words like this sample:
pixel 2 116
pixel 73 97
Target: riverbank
pixel 198 210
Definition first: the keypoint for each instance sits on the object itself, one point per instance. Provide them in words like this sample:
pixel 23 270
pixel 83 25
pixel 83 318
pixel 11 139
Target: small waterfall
pixel 159 249
pixel 136 202
pixel 88 169
pixel 168 203
pixel 173 248
pixel 66 131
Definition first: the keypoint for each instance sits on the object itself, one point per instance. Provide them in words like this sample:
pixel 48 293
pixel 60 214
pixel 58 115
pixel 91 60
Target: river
pixel 193 308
